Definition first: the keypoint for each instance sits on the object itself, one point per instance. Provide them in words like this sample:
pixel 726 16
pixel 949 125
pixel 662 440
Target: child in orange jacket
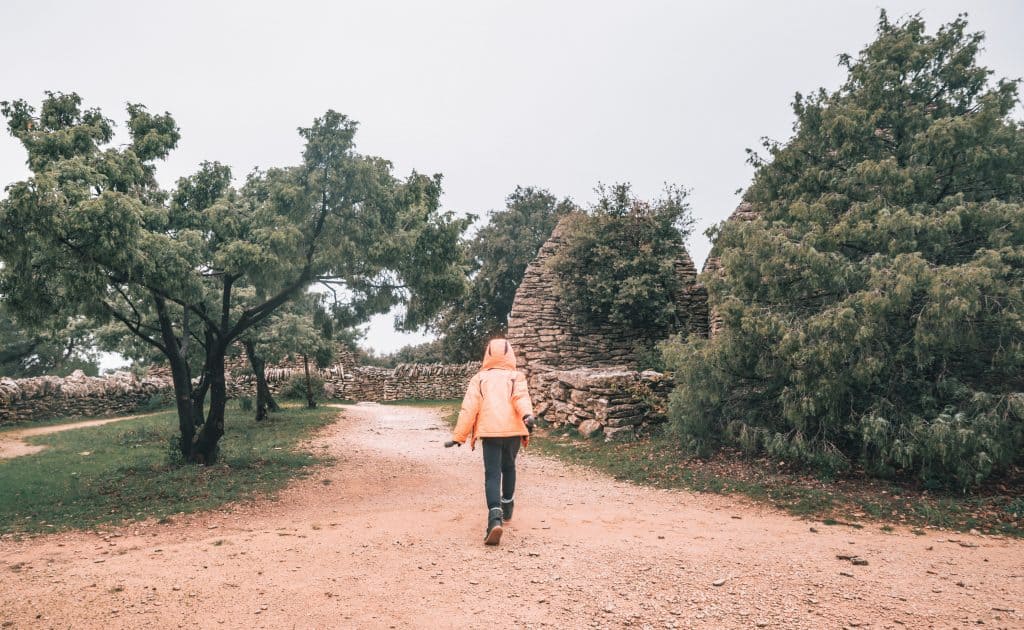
pixel 497 409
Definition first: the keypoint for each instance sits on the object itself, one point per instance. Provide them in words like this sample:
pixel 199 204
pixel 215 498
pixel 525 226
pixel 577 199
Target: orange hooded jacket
pixel 496 399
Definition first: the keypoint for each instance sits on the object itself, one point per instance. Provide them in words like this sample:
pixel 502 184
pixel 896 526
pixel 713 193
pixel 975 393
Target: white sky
pixel 561 95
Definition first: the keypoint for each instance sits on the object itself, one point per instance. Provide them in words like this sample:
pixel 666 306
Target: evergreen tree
pixel 874 312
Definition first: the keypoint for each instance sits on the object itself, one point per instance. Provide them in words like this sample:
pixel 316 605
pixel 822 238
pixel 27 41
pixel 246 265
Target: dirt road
pixel 390 537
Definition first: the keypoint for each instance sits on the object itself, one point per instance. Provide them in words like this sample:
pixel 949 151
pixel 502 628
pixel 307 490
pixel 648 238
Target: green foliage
pixel 618 262
pixel 874 312
pixel 188 272
pixel 58 348
pixel 295 387
pixel 245 403
pixel 426 352
pixel 155 402
pixel 498 256
pixel 661 462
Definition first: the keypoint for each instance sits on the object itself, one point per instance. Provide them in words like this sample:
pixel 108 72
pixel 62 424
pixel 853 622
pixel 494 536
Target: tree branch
pixel 134 327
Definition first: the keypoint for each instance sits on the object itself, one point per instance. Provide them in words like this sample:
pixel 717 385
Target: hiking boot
pixel 506 509
pixel 493 527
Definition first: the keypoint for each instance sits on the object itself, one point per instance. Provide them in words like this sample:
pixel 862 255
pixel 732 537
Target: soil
pixel 390 536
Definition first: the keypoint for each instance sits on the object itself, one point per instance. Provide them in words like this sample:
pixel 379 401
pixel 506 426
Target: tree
pixel 90 232
pixel 874 311
pixel 57 348
pixel 498 254
pixel 426 352
pixel 617 264
pixel 305 329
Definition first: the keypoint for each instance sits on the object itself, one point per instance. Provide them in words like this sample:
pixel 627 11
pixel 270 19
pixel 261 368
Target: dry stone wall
pixel 616 403
pixel 78 395
pixel 367 383
pixel 543 331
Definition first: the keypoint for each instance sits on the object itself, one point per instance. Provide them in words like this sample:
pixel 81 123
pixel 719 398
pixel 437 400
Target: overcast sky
pixel 555 94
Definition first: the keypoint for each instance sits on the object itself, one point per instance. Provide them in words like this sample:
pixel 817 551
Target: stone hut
pixel 544 333
pixel 743 212
pixel 589 377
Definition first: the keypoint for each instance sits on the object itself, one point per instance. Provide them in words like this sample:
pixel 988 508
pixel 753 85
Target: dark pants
pixel 500 468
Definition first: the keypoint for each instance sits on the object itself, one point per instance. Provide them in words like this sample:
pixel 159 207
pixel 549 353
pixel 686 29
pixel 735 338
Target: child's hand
pixel 528 421
pixel 451 443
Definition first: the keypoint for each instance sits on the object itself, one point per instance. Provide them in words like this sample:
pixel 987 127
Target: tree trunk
pixel 199 391
pixel 180 376
pixel 264 399
pixel 310 400
pixel 183 402
pixel 205 449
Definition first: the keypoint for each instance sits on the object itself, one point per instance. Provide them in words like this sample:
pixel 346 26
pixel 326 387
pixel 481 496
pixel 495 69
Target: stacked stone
pixel 368 383
pixel 743 212
pixel 616 403
pixel 78 395
pixel 543 331
pixel 406 382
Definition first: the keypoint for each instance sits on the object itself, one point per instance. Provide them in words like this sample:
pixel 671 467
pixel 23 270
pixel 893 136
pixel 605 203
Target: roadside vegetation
pixel 854 500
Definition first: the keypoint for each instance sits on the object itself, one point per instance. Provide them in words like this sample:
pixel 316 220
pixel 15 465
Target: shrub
pixel 872 310
pixel 617 263
pixel 295 387
pixel 153 402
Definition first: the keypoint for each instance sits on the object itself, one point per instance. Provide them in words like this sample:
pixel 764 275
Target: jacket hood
pixel 499 355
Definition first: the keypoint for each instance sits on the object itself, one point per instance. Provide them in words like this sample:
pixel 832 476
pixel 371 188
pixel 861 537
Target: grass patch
pixel 660 462
pixel 32 424
pixel 124 470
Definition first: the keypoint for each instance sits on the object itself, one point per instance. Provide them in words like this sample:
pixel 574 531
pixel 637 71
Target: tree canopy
pixel 91 233
pixel 874 312
pixel 498 255
pixel 56 348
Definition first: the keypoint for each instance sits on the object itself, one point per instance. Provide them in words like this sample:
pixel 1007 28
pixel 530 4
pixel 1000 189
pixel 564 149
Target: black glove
pixel 528 421
pixel 451 443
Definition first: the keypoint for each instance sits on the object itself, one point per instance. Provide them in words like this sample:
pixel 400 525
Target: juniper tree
pixel 90 232
pixel 874 312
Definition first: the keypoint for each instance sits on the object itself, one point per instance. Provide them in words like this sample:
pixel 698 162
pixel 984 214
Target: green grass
pixel 31 424
pixel 659 461
pixel 124 470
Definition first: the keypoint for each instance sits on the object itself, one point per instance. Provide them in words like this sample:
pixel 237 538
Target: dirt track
pixel 12 443
pixel 390 536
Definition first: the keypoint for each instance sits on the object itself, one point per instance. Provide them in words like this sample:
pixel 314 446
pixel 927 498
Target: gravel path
pixel 390 537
